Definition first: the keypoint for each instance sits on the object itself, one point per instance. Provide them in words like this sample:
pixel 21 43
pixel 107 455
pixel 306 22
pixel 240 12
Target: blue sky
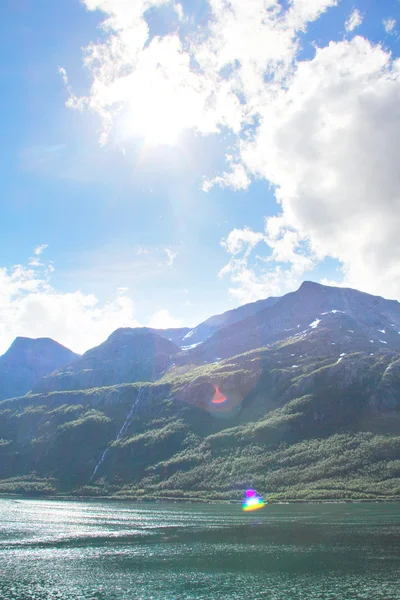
pixel 201 158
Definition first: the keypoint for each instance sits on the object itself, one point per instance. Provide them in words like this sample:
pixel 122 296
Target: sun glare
pixel 158 118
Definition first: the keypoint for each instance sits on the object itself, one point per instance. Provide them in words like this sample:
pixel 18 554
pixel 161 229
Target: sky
pixel 164 161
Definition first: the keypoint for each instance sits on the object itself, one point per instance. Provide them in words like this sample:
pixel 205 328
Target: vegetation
pixel 316 429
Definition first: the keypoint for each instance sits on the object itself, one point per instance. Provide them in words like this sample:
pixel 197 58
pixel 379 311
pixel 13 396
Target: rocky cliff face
pixel 27 361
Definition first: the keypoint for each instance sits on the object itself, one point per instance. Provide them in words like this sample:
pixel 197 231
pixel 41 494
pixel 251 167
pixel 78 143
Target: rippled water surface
pixel 105 550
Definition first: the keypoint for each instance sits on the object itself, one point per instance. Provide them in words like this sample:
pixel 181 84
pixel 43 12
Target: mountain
pixel 28 360
pixel 300 399
pixel 213 324
pixel 361 319
pixel 128 355
pixel 174 335
pixel 140 354
pixel 293 425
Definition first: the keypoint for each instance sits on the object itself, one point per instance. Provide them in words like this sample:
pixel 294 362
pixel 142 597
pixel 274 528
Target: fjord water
pixel 108 550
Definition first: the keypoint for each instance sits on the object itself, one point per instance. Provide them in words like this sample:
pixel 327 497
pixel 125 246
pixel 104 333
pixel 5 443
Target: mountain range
pixel 298 396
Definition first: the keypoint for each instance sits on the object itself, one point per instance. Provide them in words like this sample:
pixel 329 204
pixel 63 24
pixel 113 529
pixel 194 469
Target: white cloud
pixel 389 25
pixel 171 256
pixel 237 179
pixel 39 249
pixel 279 272
pixel 325 132
pixel 242 239
pixel 179 11
pixel 148 87
pixel 161 319
pixel 354 21
pixel 330 146
pixel 31 307
pixel 250 285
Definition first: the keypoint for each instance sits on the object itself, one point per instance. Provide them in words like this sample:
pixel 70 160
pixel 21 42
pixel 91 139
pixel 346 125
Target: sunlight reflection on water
pixel 106 550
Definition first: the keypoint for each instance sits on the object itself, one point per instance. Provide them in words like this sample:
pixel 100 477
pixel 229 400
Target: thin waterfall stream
pixel 121 432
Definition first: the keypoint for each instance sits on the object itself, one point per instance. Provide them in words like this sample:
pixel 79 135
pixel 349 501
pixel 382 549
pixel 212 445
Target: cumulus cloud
pixel 162 319
pixel 236 178
pixel 324 132
pixel 242 240
pixel 330 146
pixel 156 87
pixel 354 21
pixel 278 272
pixel 31 307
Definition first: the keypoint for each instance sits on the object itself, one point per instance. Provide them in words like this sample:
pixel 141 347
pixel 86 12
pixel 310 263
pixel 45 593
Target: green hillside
pixel 319 428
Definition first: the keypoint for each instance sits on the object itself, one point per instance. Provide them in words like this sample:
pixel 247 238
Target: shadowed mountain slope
pixel 28 360
pixel 128 355
pixel 217 322
pixel 311 306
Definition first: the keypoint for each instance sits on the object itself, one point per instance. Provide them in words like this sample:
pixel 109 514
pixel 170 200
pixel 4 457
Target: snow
pixel 186 348
pixel 382 331
pixel 382 342
pixel 298 326
pixel 188 335
pixel 315 323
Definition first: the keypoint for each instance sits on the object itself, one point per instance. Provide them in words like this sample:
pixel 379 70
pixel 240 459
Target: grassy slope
pixel 320 430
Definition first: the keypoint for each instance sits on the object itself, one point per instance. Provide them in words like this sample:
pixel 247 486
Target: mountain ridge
pixel 28 360
pixel 300 399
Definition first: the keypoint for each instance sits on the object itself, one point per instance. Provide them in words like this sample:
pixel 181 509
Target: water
pixel 121 433
pixel 104 550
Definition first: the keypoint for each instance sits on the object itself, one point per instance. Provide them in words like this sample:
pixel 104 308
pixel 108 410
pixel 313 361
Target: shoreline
pixel 65 498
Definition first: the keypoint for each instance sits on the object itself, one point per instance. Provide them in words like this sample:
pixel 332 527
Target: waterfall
pixel 121 432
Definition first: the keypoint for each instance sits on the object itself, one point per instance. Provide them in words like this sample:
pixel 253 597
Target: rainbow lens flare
pixel 252 501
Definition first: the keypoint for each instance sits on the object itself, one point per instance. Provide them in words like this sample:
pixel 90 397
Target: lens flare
pixel 218 397
pixel 252 501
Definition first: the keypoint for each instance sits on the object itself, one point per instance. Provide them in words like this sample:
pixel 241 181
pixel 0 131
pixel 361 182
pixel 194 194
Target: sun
pixel 158 117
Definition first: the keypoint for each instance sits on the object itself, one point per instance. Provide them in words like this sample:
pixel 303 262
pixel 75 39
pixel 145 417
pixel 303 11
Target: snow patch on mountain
pixel 188 335
pixel 315 323
pixel 190 347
